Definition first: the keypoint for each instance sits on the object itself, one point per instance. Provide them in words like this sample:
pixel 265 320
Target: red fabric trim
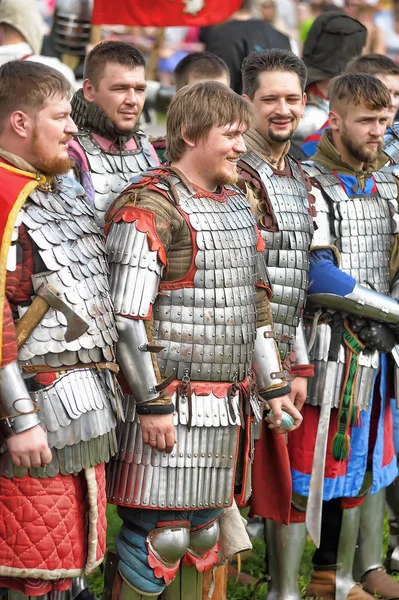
pixel 313 88
pixel 302 370
pixel 352 502
pixel 145 223
pixel 203 388
pixel 271 477
pixel 202 563
pixel 160 569
pixel 260 244
pixel 181 523
pixel 266 287
pixel 217 196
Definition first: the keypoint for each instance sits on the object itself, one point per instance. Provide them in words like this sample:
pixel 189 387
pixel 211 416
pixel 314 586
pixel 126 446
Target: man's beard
pixel 357 151
pixel 54 166
pixel 224 179
pixel 280 137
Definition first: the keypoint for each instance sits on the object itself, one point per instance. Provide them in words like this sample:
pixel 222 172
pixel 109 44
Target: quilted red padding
pixel 43 522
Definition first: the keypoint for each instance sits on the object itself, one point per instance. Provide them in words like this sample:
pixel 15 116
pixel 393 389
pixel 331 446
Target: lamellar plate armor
pixel 287 248
pixel 361 227
pixel 111 171
pixel 391 144
pixel 207 329
pixel 77 409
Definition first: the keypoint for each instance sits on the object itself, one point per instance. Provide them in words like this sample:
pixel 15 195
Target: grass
pixel 252 564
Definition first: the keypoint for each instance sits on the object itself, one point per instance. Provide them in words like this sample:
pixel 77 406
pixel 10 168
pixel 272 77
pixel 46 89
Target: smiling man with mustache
pixel 274 83
pixel 109 148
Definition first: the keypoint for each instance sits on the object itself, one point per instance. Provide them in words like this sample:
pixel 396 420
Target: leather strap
pixel 111 366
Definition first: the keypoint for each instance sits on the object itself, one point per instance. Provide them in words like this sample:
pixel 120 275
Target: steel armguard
pixel 135 360
pixel 269 376
pixel 19 411
pixel 361 301
pixel 300 346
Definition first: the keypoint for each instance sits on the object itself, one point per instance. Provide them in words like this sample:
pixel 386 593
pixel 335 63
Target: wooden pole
pixel 154 56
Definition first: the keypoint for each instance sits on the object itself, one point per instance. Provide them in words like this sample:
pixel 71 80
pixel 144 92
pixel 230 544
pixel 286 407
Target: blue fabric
pixel 349 485
pixel 325 277
pixel 395 421
pixel 351 185
pixel 131 547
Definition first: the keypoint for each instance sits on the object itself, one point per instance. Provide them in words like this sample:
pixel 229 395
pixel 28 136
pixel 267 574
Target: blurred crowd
pixel 60 30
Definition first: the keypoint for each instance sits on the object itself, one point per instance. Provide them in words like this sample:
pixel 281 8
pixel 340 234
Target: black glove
pixel 375 335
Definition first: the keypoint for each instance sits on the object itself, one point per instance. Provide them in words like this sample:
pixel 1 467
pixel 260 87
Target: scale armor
pixel 207 332
pixel 362 229
pixel 287 250
pixel 111 171
pixel 391 143
pixel 78 408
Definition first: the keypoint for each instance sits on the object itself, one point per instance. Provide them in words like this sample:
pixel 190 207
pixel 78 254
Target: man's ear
pixel 334 120
pixel 186 140
pixel 304 100
pixel 246 97
pixel 21 123
pixel 88 90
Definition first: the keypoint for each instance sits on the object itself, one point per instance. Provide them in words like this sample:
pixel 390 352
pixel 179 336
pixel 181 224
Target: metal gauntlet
pixel 135 360
pixel 19 411
pixel 361 301
pixel 267 366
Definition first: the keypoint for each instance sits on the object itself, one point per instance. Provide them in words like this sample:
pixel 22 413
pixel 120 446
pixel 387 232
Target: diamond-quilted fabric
pixel 102 517
pixel 43 525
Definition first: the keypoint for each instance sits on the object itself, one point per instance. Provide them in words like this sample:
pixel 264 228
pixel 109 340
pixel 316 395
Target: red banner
pixel 163 13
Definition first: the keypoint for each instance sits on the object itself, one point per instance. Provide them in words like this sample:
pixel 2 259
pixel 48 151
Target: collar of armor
pixel 259 144
pixel 88 115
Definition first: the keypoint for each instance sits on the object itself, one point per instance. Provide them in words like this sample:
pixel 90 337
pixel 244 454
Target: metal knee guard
pixel 392 496
pixel 284 545
pixel 371 529
pixel 346 552
pixel 203 539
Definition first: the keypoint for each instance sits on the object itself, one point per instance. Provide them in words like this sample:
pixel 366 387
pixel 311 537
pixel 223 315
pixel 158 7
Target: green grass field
pixel 252 564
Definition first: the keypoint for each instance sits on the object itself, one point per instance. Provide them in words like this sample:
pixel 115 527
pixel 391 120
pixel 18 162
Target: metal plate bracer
pixel 266 364
pixel 361 301
pixel 135 360
pixel 15 401
pixel 300 346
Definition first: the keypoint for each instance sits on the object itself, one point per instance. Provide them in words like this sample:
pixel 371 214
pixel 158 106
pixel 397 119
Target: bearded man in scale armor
pixel 191 301
pixel 345 458
pixel 109 147
pixel 58 397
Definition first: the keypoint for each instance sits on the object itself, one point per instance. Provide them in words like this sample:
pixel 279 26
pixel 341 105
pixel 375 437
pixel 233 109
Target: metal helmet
pixel 71 29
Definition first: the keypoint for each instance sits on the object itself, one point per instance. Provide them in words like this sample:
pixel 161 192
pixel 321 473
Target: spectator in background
pixel 388 21
pixel 21 36
pixel 240 36
pixel 333 40
pixel 364 11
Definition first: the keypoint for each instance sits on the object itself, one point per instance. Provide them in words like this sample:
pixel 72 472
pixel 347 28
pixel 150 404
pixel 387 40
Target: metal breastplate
pixel 78 408
pixel 208 331
pixel 111 171
pixel 391 143
pixel 361 226
pixel 287 250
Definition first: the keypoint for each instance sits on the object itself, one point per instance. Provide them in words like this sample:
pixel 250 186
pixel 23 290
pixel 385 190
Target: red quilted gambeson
pixel 43 523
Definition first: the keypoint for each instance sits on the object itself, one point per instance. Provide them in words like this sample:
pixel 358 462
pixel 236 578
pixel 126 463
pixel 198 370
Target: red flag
pixel 163 13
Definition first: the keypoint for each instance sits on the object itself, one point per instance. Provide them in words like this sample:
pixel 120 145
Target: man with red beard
pixel 190 292
pixel 352 325
pixel 57 390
